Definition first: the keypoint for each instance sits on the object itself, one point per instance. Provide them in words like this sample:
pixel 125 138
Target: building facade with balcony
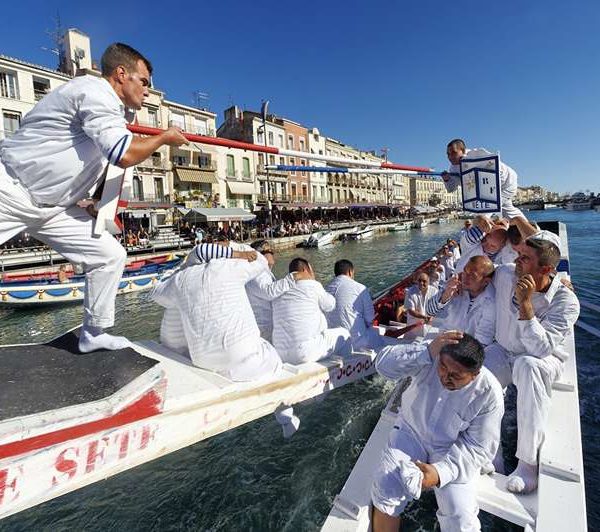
pixel 193 167
pixel 247 126
pixel 236 172
pixel 317 181
pixel 296 138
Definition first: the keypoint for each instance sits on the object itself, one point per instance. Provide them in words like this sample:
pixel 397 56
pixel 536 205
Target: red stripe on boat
pixel 150 404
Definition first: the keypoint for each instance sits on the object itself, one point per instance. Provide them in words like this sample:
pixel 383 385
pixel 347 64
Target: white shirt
pixel 261 291
pixel 476 316
pixel 471 246
pixel 556 311
pixel 418 302
pixel 64 143
pixel 218 322
pixel 353 306
pixel 298 315
pixel 460 429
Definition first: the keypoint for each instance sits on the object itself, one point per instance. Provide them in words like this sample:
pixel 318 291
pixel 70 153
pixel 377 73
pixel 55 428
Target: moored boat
pixel 362 232
pixel 579 202
pixel 419 222
pixel 35 290
pixel 320 239
pixel 401 226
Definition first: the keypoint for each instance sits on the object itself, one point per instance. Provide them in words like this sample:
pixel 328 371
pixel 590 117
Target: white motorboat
pixel 360 233
pixel 442 220
pixel 558 504
pixel 402 226
pixel 419 222
pixel 579 202
pixel 320 239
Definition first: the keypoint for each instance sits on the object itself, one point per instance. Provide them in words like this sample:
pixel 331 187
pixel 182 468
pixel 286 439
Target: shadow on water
pixel 250 478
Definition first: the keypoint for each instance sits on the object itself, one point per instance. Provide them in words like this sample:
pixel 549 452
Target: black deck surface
pixel 37 378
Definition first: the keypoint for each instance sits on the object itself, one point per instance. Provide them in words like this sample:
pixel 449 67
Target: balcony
pixel 280 198
pixel 153 164
pixel 299 198
pixel 260 171
pixel 146 200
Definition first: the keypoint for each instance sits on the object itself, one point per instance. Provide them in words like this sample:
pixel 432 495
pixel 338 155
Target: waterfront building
pixel 431 191
pixel 296 138
pixel 247 126
pixel 317 180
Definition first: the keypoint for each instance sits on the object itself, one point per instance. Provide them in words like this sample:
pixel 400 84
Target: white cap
pixel 547 236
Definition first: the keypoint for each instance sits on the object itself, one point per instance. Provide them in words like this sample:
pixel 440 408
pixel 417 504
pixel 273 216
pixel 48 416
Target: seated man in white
pixel 416 301
pixel 485 238
pixel 534 314
pixel 300 332
pixel 263 290
pixel 468 302
pixel 172 334
pixel 447 429
pixel 218 322
pixel 354 309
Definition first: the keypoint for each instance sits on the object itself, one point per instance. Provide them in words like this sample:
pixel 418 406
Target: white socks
pixel 95 339
pixel 524 479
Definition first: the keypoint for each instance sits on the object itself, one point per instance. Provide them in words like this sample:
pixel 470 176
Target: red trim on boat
pixel 150 404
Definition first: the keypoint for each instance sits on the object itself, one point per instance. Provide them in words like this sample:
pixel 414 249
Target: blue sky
pixel 521 77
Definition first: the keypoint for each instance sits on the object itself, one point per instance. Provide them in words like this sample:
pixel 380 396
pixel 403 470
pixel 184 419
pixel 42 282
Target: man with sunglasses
pixel 57 158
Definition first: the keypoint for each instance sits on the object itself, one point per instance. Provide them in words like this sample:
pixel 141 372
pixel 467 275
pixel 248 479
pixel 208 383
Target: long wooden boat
pixel 72 430
pixel 25 291
pixel 558 504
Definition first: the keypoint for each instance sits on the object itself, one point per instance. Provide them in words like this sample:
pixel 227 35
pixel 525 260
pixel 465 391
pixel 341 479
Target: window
pixel 246 166
pixel 314 192
pixel 302 163
pixel 156 159
pixel 281 141
pixel 159 189
pixel 177 120
pixel 8 84
pixel 270 138
pixel 322 192
pixel 260 137
pixel 204 160
pixel 180 160
pixel 290 142
pixel 294 192
pixel 200 126
pixel 301 144
pixel 271 159
pixel 282 161
pixel 138 192
pixel 292 161
pixel 153 117
pixel 304 192
pixel 10 122
pixel 41 87
pixel 230 166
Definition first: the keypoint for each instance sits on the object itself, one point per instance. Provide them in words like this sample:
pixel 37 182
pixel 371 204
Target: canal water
pixel 250 478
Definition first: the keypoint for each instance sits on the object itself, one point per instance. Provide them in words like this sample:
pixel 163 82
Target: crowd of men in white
pixel 503 312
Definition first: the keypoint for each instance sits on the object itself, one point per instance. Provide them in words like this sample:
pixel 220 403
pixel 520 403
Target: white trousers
pixel 392 490
pixel 533 378
pixel 67 230
pixel 330 342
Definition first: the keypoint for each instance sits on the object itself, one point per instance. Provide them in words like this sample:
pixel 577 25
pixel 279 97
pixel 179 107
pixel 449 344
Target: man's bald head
pixel 493 242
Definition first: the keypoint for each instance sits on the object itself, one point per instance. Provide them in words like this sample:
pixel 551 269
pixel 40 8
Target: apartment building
pixel 317 180
pixel 430 190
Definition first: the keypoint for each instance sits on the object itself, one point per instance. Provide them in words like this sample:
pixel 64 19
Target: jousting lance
pixel 228 143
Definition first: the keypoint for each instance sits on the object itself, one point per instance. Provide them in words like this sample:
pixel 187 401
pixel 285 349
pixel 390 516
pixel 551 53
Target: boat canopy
pixel 218 215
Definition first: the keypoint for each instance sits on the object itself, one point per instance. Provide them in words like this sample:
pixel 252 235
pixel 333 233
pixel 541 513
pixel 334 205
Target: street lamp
pixel 263 111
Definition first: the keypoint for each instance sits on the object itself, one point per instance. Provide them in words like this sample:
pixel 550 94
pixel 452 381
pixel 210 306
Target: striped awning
pixel 191 175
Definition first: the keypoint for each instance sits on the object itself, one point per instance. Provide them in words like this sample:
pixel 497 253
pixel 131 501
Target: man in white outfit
pixel 447 429
pixel 300 332
pixel 487 238
pixel 468 302
pixel 218 322
pixel 455 151
pixel 416 300
pixel 535 312
pixel 354 309
pixel 57 157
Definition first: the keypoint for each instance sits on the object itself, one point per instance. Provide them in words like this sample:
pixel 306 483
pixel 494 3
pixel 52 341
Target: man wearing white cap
pixel 534 314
